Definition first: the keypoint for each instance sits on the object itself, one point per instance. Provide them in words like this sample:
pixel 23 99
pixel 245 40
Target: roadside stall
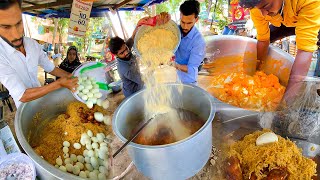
pixel 171 130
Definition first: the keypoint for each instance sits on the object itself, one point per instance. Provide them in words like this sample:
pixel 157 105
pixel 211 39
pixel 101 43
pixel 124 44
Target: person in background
pixel 72 61
pixel 287 17
pixel 128 67
pixel 49 54
pixel 56 57
pixel 20 57
pixel 191 51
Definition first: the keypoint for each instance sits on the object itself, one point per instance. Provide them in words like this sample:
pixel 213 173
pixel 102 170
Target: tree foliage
pixel 95 25
pixel 216 9
pixel 63 24
pixel 134 16
pixel 170 6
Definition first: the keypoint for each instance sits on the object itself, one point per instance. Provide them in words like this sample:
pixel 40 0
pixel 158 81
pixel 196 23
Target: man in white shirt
pixel 21 56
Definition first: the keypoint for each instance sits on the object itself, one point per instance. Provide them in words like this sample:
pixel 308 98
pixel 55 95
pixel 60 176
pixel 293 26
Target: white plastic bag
pixel 299 119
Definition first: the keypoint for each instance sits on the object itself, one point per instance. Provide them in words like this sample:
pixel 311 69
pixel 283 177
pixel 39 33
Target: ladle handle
pixel 1 113
pixel 132 138
pixel 3 151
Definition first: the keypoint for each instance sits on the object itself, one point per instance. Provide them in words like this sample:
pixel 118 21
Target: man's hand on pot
pixel 163 18
pixel 172 61
pixel 293 88
pixel 69 82
pixel 146 21
pixel 159 19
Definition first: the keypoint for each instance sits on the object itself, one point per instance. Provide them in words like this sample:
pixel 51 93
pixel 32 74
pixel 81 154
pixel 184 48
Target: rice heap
pixel 156 46
pixel 282 154
pixel 259 92
pixel 67 127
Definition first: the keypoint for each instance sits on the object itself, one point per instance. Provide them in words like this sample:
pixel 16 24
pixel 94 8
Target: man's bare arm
pixel 59 72
pixel 262 52
pixel 35 93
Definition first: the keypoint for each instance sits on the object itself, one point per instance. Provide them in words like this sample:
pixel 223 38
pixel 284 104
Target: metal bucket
pixel 171 25
pixel 47 107
pixel 179 160
pixel 278 63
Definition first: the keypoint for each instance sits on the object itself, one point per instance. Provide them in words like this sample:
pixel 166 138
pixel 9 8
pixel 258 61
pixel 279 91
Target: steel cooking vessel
pixel 171 25
pixel 47 107
pixel 278 63
pixel 179 160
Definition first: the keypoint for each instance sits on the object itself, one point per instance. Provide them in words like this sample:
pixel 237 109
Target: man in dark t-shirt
pixel 128 67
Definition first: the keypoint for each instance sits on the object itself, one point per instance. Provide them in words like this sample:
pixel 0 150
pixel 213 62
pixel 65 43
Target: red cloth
pixel 151 21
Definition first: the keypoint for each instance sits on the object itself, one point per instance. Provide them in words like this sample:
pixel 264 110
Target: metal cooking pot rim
pixel 170 23
pixel 234 37
pixel 140 146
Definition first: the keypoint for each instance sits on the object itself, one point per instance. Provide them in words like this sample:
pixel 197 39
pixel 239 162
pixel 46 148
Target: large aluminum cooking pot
pixel 46 108
pixel 179 160
pixel 278 63
pixel 171 25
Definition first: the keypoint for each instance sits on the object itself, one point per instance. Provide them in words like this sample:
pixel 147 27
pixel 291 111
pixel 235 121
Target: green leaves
pixel 170 6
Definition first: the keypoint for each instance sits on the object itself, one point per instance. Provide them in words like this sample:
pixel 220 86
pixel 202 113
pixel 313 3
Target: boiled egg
pixel 266 138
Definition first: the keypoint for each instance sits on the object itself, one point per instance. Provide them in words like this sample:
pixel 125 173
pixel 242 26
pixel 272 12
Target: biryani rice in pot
pixel 265 155
pixel 76 141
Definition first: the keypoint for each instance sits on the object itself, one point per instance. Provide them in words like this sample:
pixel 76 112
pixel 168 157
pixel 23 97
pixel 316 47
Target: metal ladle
pixel 163 111
pixel 133 137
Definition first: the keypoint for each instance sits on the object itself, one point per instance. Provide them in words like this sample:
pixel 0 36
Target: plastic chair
pixel 5 97
pixel 226 30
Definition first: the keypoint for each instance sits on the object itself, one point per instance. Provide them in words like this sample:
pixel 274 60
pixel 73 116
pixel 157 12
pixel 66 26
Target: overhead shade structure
pixel 62 8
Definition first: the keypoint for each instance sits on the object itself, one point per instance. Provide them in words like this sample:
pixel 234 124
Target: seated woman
pixel 72 61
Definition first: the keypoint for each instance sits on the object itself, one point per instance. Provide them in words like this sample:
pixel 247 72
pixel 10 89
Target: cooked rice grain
pixel 283 154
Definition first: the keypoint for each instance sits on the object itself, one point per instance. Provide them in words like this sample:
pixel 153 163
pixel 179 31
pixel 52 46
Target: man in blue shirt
pixel 128 67
pixel 192 47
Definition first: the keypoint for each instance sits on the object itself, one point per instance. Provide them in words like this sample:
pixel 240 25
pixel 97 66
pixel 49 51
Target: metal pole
pixel 121 4
pixel 122 28
pixel 154 10
pixel 55 20
pixel 27 25
pixel 111 24
pixel 214 13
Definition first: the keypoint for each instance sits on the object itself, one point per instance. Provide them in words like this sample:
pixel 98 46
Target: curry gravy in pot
pixel 169 128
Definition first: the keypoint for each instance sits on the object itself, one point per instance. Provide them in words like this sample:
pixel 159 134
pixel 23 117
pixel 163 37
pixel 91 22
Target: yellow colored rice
pixel 283 154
